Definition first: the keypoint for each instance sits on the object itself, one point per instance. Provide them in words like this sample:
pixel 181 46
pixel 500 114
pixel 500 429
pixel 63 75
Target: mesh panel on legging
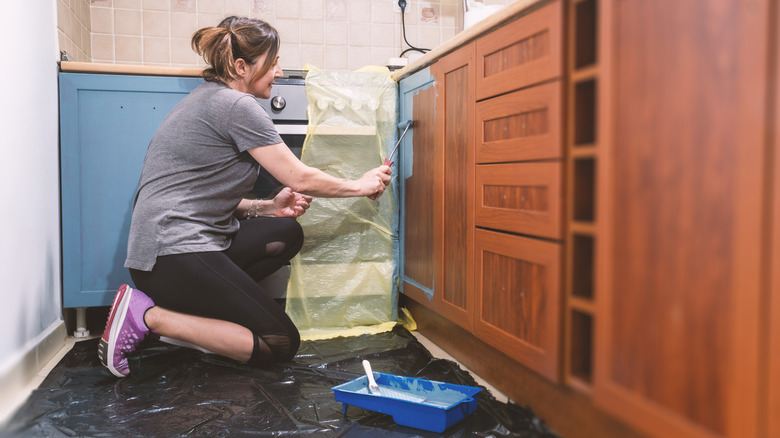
pixel 216 285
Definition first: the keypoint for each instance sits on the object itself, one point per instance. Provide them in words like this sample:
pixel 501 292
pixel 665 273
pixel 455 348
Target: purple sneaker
pixel 125 329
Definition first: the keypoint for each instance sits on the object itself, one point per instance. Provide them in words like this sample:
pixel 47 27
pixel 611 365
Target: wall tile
pixel 287 9
pixel 262 8
pixel 156 5
pixel 128 48
pixel 128 22
pixel 206 20
pixel 183 25
pixel 157 24
pixel 382 12
pixel 340 33
pixel 290 56
pixel 311 31
pixel 449 16
pixel 128 4
pixel 336 33
pixel 359 57
pixel 429 13
pixel 312 9
pixel 211 7
pixel 102 20
pixel 335 9
pixel 157 50
pixel 336 58
pixel 182 53
pixel 382 35
pixel 288 30
pixel 183 6
pixel 81 9
pixel 86 45
pixel 359 11
pixel 380 55
pixel 312 54
pixel 359 34
pixel 239 8
pixel 103 47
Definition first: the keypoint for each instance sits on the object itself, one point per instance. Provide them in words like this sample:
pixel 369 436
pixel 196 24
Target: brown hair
pixel 234 38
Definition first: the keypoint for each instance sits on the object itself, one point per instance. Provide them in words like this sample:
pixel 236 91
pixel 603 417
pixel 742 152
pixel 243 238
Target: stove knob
pixel 278 103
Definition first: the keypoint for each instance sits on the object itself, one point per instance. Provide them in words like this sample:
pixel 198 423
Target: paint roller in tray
pixel 383 391
pixel 405 125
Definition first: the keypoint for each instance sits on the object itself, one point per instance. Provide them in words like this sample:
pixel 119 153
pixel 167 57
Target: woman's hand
pixel 374 182
pixel 290 204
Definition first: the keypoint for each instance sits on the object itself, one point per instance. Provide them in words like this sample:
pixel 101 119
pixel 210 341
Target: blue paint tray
pixel 419 403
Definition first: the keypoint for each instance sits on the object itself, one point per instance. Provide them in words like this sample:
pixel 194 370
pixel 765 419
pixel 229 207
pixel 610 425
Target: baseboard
pixel 23 373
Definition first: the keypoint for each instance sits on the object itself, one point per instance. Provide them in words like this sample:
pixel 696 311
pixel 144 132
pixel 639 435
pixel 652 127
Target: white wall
pixel 30 303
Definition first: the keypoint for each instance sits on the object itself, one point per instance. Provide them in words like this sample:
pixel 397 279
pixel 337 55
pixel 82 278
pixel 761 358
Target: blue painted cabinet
pixel 417 175
pixel 106 122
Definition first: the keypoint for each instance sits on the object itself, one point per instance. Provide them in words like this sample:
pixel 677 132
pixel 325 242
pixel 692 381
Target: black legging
pixel 223 285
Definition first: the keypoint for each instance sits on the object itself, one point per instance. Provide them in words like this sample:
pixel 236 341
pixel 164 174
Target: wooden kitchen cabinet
pixel 518 298
pixel 668 308
pixel 500 289
pixel 454 143
pixel 523 198
pixel 682 210
pixel 437 173
pixel 524 52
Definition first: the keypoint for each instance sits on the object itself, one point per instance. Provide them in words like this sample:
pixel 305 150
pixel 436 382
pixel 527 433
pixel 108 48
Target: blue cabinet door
pixel 106 122
pixel 416 175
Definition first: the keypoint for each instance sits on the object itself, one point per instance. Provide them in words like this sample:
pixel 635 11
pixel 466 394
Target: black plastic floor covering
pixel 173 391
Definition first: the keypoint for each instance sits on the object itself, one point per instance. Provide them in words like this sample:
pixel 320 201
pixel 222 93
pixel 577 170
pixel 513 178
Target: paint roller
pixel 405 125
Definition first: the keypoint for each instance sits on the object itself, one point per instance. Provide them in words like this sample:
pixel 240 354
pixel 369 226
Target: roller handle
pixel 372 386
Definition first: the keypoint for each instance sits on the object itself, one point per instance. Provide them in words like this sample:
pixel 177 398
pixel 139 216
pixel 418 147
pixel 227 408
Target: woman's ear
pixel 241 67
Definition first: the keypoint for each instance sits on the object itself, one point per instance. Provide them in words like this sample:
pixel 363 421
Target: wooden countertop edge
pixel 505 15
pixel 129 69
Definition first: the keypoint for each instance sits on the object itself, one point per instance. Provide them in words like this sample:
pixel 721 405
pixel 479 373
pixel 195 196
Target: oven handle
pixel 291 129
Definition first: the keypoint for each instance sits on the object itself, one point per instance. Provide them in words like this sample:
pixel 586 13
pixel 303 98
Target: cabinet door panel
pixel 526 51
pixel 523 125
pixel 679 215
pixel 517 298
pixel 106 123
pixel 455 86
pixel 415 160
pixel 523 198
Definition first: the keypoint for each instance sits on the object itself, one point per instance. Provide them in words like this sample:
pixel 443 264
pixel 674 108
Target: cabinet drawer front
pixel 517 302
pixel 523 125
pixel 522 198
pixel 522 53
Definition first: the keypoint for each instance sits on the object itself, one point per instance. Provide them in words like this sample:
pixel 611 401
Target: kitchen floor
pixel 9 403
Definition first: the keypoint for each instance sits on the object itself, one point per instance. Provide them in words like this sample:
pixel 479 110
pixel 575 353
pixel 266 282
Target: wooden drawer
pixel 522 53
pixel 516 280
pixel 520 126
pixel 523 198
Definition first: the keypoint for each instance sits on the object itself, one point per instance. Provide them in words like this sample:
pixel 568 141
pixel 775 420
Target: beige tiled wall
pixel 73 29
pixel 332 34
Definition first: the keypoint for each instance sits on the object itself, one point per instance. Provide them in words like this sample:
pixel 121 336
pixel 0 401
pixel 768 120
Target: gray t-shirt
pixel 195 173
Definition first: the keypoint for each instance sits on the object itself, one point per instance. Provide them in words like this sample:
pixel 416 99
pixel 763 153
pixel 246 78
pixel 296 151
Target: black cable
pixel 402 5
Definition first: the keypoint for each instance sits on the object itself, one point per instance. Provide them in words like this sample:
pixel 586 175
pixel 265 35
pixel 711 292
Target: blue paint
pixel 442 405
pixel 408 88
pixel 106 122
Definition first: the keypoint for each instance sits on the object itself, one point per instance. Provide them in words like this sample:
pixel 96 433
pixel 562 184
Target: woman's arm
pixel 279 160
pixel 285 204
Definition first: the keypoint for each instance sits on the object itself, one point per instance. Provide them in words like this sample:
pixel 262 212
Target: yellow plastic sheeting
pixel 340 282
